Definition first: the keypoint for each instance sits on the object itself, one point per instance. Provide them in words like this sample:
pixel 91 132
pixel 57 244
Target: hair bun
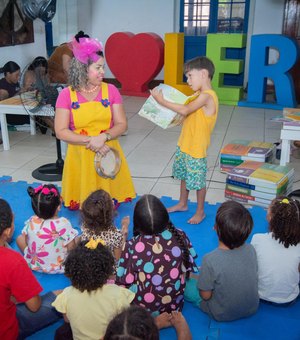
pixel 81 34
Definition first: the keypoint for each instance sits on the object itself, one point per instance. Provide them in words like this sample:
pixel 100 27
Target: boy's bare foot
pixel 178 207
pixel 196 219
pixel 163 320
pixel 181 326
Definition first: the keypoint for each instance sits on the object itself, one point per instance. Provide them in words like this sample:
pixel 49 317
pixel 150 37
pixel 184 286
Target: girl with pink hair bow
pixel 46 237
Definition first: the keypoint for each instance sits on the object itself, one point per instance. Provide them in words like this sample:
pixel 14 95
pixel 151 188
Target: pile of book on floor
pixel 239 151
pixel 258 183
pixel 291 113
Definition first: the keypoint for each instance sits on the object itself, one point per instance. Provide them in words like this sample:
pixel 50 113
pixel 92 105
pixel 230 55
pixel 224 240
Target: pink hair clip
pixel 45 191
pixel 38 189
pixel 86 49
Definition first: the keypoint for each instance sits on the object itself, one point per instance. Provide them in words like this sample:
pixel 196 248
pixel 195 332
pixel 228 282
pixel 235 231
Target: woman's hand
pixel 97 144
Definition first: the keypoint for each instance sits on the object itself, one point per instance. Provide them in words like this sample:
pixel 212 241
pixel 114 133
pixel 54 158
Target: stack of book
pixel 290 113
pixel 239 151
pixel 258 183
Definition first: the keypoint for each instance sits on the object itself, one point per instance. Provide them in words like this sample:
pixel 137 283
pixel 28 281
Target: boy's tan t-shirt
pixel 197 128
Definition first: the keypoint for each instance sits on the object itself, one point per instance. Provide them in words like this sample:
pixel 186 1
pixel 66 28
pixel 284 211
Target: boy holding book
pixel 199 115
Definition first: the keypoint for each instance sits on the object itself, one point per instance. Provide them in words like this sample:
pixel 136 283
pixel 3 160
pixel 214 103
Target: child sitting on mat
pixel 97 213
pixel 228 275
pixel 136 322
pixel 199 115
pixel 90 303
pixel 46 238
pixel 278 253
pixel 156 261
pixel 22 310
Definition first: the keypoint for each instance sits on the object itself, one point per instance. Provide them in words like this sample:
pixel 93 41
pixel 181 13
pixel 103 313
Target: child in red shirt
pixel 22 310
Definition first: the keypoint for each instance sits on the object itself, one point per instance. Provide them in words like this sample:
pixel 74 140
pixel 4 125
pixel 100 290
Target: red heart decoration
pixel 134 60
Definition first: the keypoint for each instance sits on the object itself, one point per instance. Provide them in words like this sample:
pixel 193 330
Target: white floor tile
pixel 150 150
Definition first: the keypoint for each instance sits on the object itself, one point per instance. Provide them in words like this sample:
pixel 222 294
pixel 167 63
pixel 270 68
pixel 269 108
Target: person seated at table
pixel 36 77
pixel 36 73
pixel 9 87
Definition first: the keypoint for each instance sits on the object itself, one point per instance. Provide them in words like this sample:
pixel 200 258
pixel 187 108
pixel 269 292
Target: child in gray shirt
pixel 228 279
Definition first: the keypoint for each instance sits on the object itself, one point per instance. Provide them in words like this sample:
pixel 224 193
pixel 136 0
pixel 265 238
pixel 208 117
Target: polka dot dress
pixel 152 267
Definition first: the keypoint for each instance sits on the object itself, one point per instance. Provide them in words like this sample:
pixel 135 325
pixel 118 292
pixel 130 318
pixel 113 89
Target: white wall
pixel 25 53
pixel 266 17
pixel 64 23
pixel 136 16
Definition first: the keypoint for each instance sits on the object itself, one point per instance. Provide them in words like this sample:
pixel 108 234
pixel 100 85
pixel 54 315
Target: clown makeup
pixel 96 72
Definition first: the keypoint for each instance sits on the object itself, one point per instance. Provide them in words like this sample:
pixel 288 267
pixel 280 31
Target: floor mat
pixel 268 323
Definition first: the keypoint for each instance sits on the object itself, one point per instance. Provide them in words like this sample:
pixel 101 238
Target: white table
pixel 290 131
pixel 15 106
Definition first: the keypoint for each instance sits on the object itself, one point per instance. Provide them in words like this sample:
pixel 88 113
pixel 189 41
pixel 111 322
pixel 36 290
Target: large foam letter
pixel 135 60
pixel 216 51
pixel 260 70
pixel 173 70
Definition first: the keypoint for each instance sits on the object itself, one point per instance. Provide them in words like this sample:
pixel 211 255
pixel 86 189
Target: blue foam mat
pixel 269 322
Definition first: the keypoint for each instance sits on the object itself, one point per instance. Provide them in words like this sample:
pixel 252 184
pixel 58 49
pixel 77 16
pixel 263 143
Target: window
pixel 196 17
pixel 231 16
pixel 199 17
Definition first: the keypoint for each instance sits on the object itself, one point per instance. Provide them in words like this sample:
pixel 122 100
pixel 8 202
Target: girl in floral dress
pixel 46 237
pixel 157 260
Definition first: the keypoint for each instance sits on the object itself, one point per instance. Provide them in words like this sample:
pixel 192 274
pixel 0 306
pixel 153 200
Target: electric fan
pixel 38 97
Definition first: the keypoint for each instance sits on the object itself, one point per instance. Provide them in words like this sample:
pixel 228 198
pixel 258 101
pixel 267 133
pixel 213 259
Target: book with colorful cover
pixel 249 192
pixel 268 158
pixel 248 148
pixel 258 201
pixel 253 196
pixel 231 161
pixel 292 124
pixel 292 113
pixel 249 198
pixel 276 191
pixel 160 115
pixel 261 174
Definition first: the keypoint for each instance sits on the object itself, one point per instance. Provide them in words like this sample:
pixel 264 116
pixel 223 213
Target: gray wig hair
pixel 78 74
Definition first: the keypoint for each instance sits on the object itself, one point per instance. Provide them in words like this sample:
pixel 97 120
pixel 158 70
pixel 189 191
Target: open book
pixel 160 115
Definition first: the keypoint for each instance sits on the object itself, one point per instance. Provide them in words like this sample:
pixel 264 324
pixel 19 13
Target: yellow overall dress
pixel 79 175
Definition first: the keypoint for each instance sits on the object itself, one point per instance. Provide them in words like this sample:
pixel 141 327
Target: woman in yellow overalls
pixel 90 117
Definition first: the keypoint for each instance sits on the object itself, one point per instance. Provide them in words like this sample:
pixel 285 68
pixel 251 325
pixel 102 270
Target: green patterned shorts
pixel 189 169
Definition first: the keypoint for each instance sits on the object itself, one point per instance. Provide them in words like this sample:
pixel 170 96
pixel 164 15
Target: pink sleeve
pixel 64 100
pixel 114 95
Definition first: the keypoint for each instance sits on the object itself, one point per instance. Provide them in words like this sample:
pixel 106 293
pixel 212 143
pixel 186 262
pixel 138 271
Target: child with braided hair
pixel 97 214
pixel 46 238
pixel 278 253
pixel 156 261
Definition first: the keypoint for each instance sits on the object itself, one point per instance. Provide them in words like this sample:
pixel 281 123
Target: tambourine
pixel 109 165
